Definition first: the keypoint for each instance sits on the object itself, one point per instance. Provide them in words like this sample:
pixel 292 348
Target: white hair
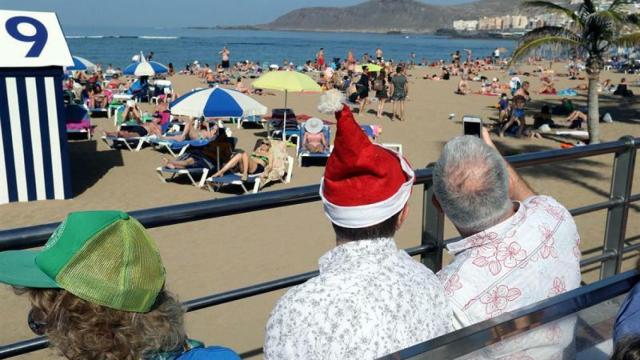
pixel 471 182
pixel 331 102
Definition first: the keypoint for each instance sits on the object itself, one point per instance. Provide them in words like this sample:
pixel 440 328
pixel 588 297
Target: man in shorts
pixel 224 54
pixel 399 91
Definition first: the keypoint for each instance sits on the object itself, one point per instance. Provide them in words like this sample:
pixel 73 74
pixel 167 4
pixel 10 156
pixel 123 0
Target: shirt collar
pixel 491 235
pixel 356 253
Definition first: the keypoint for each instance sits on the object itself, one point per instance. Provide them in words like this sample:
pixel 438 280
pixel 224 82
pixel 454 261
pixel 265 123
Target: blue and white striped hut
pixel 33 144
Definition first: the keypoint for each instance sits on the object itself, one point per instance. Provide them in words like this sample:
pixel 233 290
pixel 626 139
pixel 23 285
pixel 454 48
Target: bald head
pixel 471 183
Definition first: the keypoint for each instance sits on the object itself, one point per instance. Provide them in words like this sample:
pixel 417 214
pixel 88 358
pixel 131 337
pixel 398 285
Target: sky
pixel 173 13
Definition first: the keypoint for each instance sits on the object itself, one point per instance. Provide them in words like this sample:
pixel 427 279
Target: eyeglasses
pixel 39 327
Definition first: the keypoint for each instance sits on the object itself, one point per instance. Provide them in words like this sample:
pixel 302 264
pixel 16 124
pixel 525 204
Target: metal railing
pixel 432 238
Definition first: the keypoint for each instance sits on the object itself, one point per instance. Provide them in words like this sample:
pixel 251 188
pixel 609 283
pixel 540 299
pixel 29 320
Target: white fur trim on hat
pixel 355 217
pixel 331 102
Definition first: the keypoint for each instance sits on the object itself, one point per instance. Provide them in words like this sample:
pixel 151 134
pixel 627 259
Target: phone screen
pixel 472 128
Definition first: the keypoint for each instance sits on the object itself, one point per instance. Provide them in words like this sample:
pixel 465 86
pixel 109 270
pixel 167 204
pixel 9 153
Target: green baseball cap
pixel 105 257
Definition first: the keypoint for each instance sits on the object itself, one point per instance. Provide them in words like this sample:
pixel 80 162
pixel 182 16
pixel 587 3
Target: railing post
pixel 616 225
pixel 432 229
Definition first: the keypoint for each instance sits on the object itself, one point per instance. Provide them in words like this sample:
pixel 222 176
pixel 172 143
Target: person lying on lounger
pixel 133 114
pixel 314 140
pixel 195 130
pixel 217 151
pixel 259 162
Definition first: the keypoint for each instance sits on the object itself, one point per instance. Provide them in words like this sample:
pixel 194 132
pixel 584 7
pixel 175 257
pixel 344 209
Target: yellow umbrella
pixel 372 67
pixel 286 81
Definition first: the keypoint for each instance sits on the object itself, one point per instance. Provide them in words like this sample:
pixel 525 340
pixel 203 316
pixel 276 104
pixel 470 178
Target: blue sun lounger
pixel 303 153
pixel 178 148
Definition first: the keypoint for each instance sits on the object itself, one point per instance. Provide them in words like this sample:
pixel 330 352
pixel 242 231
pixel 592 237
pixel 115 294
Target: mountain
pixel 389 15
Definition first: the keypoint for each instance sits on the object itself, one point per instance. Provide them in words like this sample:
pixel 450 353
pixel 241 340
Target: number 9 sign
pixel 32 39
pixel 39 38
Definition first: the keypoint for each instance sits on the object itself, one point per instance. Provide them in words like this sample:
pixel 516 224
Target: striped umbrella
pixel 145 68
pixel 81 64
pixel 216 102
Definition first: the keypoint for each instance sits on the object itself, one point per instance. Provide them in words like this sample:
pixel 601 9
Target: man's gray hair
pixel 471 182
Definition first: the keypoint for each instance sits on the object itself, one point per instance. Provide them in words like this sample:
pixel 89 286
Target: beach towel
pixel 279 167
pixel 567 92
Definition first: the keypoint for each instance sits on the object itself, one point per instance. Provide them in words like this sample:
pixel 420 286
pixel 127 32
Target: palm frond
pixel 617 3
pixel 546 31
pixel 613 15
pixel 632 20
pixel 552 7
pixel 525 48
pixel 628 40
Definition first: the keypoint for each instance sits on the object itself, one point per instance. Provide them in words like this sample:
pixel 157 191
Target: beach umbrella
pixel 145 68
pixel 216 102
pixel 81 64
pixel 286 81
pixel 372 67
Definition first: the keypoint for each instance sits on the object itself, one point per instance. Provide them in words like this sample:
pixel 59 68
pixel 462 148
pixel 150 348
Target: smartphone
pixel 472 125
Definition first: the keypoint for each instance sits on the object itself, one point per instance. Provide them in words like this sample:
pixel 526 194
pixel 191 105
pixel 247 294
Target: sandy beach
pixel 212 256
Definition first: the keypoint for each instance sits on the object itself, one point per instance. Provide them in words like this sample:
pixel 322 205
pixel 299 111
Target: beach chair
pixel 197 175
pixel 373 132
pixel 282 170
pixel 276 124
pixel 302 153
pixel 132 143
pixel 254 120
pixel 78 120
pixel 178 148
pixel 160 88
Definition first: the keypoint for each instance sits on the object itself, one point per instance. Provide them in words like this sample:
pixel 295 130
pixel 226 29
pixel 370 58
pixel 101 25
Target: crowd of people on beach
pixel 370 299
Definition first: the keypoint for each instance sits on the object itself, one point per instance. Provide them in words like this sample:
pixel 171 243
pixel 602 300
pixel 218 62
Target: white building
pixel 465 25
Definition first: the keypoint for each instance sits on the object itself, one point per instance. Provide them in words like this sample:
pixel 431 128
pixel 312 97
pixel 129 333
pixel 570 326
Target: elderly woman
pixel 92 311
pixel 259 161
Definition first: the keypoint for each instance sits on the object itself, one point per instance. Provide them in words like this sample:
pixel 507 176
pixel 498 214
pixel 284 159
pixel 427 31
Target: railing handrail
pixel 34 236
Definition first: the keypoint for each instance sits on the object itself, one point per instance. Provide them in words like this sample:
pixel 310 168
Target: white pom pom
pixel 331 102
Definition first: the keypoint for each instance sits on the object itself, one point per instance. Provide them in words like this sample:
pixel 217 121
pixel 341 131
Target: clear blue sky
pixel 173 12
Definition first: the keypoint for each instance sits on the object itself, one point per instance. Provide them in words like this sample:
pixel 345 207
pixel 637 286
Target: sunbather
pixel 133 113
pixel 576 119
pixel 314 140
pixel 195 130
pixel 219 149
pixel 260 161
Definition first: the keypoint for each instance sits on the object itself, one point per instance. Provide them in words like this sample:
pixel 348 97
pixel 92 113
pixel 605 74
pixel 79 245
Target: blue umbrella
pixel 216 102
pixel 145 68
pixel 81 64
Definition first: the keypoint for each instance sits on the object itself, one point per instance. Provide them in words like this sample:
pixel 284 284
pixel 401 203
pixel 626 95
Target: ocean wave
pixel 144 37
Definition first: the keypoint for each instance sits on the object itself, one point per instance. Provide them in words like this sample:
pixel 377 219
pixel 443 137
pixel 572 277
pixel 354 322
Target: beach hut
pixel 33 142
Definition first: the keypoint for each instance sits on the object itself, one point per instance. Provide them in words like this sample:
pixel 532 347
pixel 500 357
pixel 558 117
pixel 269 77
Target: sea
pixel 182 46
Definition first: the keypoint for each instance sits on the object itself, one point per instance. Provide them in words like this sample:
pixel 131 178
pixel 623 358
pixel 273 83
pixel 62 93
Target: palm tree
pixel 592 34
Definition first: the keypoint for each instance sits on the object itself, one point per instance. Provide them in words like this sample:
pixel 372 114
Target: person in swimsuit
pixel 260 161
pixel 320 59
pixel 195 130
pixel 314 140
pixel 133 114
pixel 224 54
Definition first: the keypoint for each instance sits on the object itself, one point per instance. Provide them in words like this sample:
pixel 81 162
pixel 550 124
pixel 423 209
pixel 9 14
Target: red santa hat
pixel 364 184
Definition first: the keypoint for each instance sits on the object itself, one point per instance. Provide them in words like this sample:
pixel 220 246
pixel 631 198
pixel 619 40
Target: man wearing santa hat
pixel 371 299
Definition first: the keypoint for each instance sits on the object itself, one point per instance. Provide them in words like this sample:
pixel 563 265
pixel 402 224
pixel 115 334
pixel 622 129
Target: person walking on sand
pixel 224 55
pixel 399 90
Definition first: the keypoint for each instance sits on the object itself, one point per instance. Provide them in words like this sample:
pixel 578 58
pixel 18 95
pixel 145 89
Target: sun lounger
pixel 253 120
pixel 178 148
pixel 373 132
pixel 302 153
pixel 282 170
pixel 131 143
pixel 78 121
pixel 196 175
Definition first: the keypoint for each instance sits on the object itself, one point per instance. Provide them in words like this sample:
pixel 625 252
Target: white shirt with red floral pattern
pixel 530 257
pixel 369 300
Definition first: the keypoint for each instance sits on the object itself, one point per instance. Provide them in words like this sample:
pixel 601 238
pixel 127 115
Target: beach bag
pixel 378 85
